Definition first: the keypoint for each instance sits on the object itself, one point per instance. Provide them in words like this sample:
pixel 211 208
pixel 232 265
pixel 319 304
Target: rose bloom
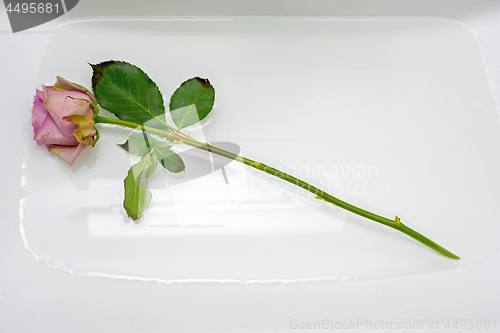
pixel 63 119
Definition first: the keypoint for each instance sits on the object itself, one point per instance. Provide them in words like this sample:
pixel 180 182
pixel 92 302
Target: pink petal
pixel 63 103
pixel 40 95
pixel 69 154
pixel 39 113
pixel 66 85
pixel 50 134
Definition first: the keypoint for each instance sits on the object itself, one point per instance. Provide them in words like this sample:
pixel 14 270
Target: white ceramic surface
pixel 35 298
pixel 392 114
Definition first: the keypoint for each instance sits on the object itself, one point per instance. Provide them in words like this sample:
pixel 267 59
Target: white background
pixel 34 298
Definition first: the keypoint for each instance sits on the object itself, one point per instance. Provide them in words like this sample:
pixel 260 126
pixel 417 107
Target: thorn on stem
pixel 398 221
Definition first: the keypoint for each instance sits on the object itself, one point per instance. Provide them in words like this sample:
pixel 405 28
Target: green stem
pixel 393 223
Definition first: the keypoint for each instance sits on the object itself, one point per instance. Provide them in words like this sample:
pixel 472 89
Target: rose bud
pixel 63 119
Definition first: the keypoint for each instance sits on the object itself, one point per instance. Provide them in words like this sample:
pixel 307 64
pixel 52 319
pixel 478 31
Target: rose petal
pixel 85 131
pixel 64 84
pixel 69 154
pixel 40 95
pixel 63 103
pixel 39 113
pixel 50 134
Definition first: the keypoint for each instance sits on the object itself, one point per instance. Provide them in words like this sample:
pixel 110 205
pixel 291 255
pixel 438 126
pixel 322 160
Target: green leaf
pixel 169 159
pixel 126 91
pixel 139 143
pixel 192 102
pixel 137 194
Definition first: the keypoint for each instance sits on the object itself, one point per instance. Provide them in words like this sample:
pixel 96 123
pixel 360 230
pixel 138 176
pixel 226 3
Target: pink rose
pixel 63 119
